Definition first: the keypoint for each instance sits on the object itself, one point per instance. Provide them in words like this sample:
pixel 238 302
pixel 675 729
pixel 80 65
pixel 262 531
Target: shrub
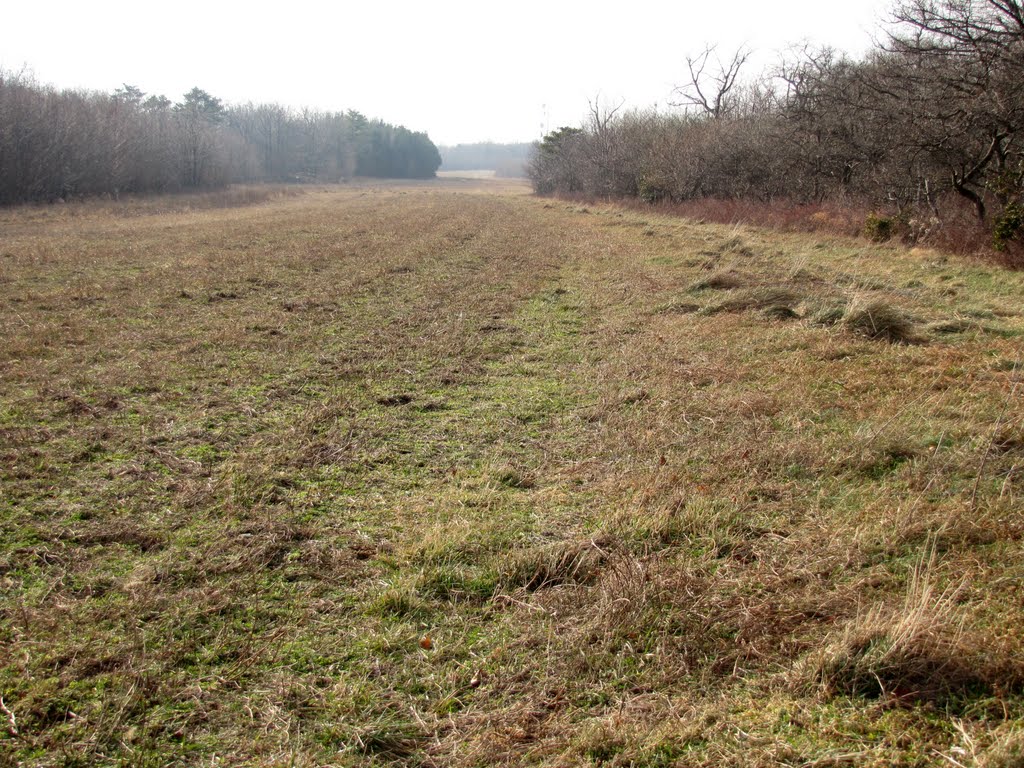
pixel 653 189
pixel 879 228
pixel 1007 225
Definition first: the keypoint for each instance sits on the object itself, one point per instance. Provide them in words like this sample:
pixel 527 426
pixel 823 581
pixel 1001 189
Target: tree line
pixel 933 116
pixel 60 144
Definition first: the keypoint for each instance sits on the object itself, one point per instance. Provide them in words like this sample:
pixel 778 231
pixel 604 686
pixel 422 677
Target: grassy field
pixel 445 474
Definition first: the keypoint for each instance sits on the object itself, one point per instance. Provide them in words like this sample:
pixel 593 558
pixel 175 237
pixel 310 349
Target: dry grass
pixel 957 230
pixel 828 218
pixel 916 651
pixel 766 298
pixel 719 281
pixel 442 474
pixel 880 320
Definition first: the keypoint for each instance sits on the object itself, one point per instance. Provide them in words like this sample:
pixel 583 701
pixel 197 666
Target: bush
pixel 879 228
pixel 1007 225
pixel 652 189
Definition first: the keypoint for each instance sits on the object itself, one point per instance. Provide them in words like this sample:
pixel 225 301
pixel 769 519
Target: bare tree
pixel 963 74
pixel 712 84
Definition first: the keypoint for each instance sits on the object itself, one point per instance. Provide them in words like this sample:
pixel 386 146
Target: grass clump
pixel 770 299
pixel 916 652
pixel 393 737
pixel 878 460
pixel 400 602
pixel 677 307
pixel 881 321
pixel 779 312
pixel 1006 752
pixel 511 476
pixel 954 326
pixel 828 313
pixel 553 565
pixel 725 280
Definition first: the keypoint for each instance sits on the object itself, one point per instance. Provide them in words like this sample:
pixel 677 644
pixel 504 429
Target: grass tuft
pixel 1007 751
pixel 881 321
pixel 916 652
pixel 766 298
pixel 828 313
pixel 719 281
pixel 553 565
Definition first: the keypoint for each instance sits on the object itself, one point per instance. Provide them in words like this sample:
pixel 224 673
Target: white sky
pixel 462 71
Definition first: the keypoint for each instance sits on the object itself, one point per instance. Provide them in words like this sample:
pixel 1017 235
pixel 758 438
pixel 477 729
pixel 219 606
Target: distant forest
pixel 508 160
pixel 60 144
pixel 927 130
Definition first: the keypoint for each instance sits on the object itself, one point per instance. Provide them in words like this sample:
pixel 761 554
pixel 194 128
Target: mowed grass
pixel 445 474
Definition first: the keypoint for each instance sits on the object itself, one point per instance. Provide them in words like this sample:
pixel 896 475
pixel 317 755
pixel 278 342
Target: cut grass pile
pixel 442 474
pixel 879 320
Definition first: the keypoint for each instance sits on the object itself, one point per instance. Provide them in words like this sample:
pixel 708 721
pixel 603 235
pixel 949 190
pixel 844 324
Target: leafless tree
pixel 962 73
pixel 712 84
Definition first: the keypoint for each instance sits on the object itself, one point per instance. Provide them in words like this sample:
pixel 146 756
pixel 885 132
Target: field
pixel 466 174
pixel 447 474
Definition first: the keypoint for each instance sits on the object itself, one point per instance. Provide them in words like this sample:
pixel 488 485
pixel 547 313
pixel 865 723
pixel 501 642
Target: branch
pixel 710 92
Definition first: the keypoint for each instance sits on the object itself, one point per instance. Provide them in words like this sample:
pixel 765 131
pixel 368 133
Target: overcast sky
pixel 462 71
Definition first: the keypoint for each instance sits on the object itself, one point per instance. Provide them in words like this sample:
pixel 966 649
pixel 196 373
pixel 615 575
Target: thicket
pixel 59 144
pixel 929 123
